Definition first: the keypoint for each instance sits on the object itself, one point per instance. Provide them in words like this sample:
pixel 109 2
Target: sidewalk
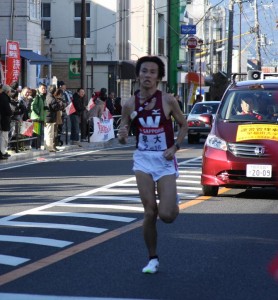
pixel 36 153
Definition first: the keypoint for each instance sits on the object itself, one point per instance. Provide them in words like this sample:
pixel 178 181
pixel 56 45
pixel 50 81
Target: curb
pixel 35 153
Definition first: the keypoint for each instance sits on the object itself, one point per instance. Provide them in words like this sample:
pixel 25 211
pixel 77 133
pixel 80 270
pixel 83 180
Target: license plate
pixel 263 171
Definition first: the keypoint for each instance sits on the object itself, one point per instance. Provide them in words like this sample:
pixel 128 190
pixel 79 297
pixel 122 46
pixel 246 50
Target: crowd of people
pixel 45 108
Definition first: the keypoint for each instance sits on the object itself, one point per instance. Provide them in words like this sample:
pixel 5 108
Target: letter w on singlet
pixel 150 122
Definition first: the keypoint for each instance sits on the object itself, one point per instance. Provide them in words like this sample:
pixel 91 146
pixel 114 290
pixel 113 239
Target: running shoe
pixel 151 267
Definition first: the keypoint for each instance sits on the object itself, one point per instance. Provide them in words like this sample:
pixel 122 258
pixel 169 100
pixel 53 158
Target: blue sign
pixel 188 29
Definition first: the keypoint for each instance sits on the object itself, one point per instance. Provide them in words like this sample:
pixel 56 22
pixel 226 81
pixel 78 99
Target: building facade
pixel 20 21
pixel 117 34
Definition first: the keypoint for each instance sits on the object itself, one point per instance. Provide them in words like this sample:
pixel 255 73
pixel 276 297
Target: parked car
pixel 241 148
pixel 197 120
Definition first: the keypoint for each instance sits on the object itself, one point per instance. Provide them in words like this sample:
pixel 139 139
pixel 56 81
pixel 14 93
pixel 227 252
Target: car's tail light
pixel 195 123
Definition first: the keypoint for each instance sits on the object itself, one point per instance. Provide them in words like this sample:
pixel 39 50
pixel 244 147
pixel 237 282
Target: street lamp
pixel 200 42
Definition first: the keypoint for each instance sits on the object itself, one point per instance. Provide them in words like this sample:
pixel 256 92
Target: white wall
pixel 101 43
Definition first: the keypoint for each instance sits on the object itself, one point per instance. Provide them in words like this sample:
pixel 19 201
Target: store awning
pixel 34 58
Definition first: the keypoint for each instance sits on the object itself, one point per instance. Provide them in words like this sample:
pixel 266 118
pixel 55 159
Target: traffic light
pixel 254 75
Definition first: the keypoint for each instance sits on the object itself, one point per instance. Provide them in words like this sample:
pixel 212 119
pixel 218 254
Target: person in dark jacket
pixel 5 120
pixel 75 118
pixel 50 118
pixel 110 102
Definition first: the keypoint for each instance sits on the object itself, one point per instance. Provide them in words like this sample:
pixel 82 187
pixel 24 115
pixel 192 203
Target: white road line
pixel 34 240
pixel 188 181
pixel 116 207
pixel 112 197
pixel 190 188
pixel 52 204
pixel 185 195
pixel 12 260
pixel 189 172
pixel 84 215
pixel 135 191
pixel 192 168
pixel 187 162
pixel 189 176
pixel 54 226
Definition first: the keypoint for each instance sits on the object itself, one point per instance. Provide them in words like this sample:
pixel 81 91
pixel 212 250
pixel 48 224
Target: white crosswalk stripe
pixel 117 198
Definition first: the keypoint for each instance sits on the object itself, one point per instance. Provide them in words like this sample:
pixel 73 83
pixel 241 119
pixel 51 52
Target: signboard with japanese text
pixel 257 132
pixel 13 64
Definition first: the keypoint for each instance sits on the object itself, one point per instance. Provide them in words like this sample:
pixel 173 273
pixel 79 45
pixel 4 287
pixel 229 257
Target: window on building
pixel 161 34
pixel 77 20
pixel 34 8
pixel 46 19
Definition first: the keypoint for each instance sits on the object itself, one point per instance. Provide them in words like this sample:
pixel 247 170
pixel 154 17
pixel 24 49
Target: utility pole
pixel 230 39
pixel 239 46
pixel 150 28
pixel 83 46
pixel 258 40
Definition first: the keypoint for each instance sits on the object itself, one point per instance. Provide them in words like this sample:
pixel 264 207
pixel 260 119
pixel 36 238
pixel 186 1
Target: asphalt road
pixel 71 228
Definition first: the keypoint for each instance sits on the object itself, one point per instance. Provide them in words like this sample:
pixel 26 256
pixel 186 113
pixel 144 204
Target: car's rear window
pixel 203 108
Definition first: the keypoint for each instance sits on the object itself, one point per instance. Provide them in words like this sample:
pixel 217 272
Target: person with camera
pixel 5 120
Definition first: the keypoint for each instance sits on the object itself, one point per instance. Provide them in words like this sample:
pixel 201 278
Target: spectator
pixel 5 121
pixel 117 114
pixel 24 99
pixel 59 119
pixel 66 94
pixel 110 102
pixel 75 118
pixel 17 106
pixel 14 85
pixel 84 120
pixel 38 113
pixel 50 119
pixel 117 106
pixel 154 161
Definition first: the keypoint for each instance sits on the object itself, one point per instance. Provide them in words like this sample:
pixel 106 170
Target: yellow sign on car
pixel 257 132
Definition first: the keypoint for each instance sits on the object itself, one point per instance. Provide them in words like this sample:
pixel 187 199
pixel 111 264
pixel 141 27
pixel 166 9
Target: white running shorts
pixel 154 163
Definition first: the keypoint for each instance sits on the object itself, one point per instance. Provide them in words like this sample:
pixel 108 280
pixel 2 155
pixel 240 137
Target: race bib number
pixel 152 139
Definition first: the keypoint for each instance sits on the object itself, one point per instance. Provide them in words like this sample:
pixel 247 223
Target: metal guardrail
pixel 17 138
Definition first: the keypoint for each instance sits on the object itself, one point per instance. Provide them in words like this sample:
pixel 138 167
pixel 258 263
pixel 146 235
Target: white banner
pixel 103 130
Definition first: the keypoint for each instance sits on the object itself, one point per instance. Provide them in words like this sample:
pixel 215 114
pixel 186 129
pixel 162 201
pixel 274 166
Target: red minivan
pixel 241 150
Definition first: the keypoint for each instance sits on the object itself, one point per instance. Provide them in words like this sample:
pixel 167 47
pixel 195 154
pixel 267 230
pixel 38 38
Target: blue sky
pixel 267 15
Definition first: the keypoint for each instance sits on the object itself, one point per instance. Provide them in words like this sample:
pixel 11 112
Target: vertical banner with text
pixel 13 65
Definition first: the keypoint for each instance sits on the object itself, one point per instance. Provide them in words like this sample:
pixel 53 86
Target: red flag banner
pixel 13 65
pixel 70 109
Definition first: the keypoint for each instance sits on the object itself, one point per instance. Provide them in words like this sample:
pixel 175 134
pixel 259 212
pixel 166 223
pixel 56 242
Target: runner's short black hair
pixel 154 59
